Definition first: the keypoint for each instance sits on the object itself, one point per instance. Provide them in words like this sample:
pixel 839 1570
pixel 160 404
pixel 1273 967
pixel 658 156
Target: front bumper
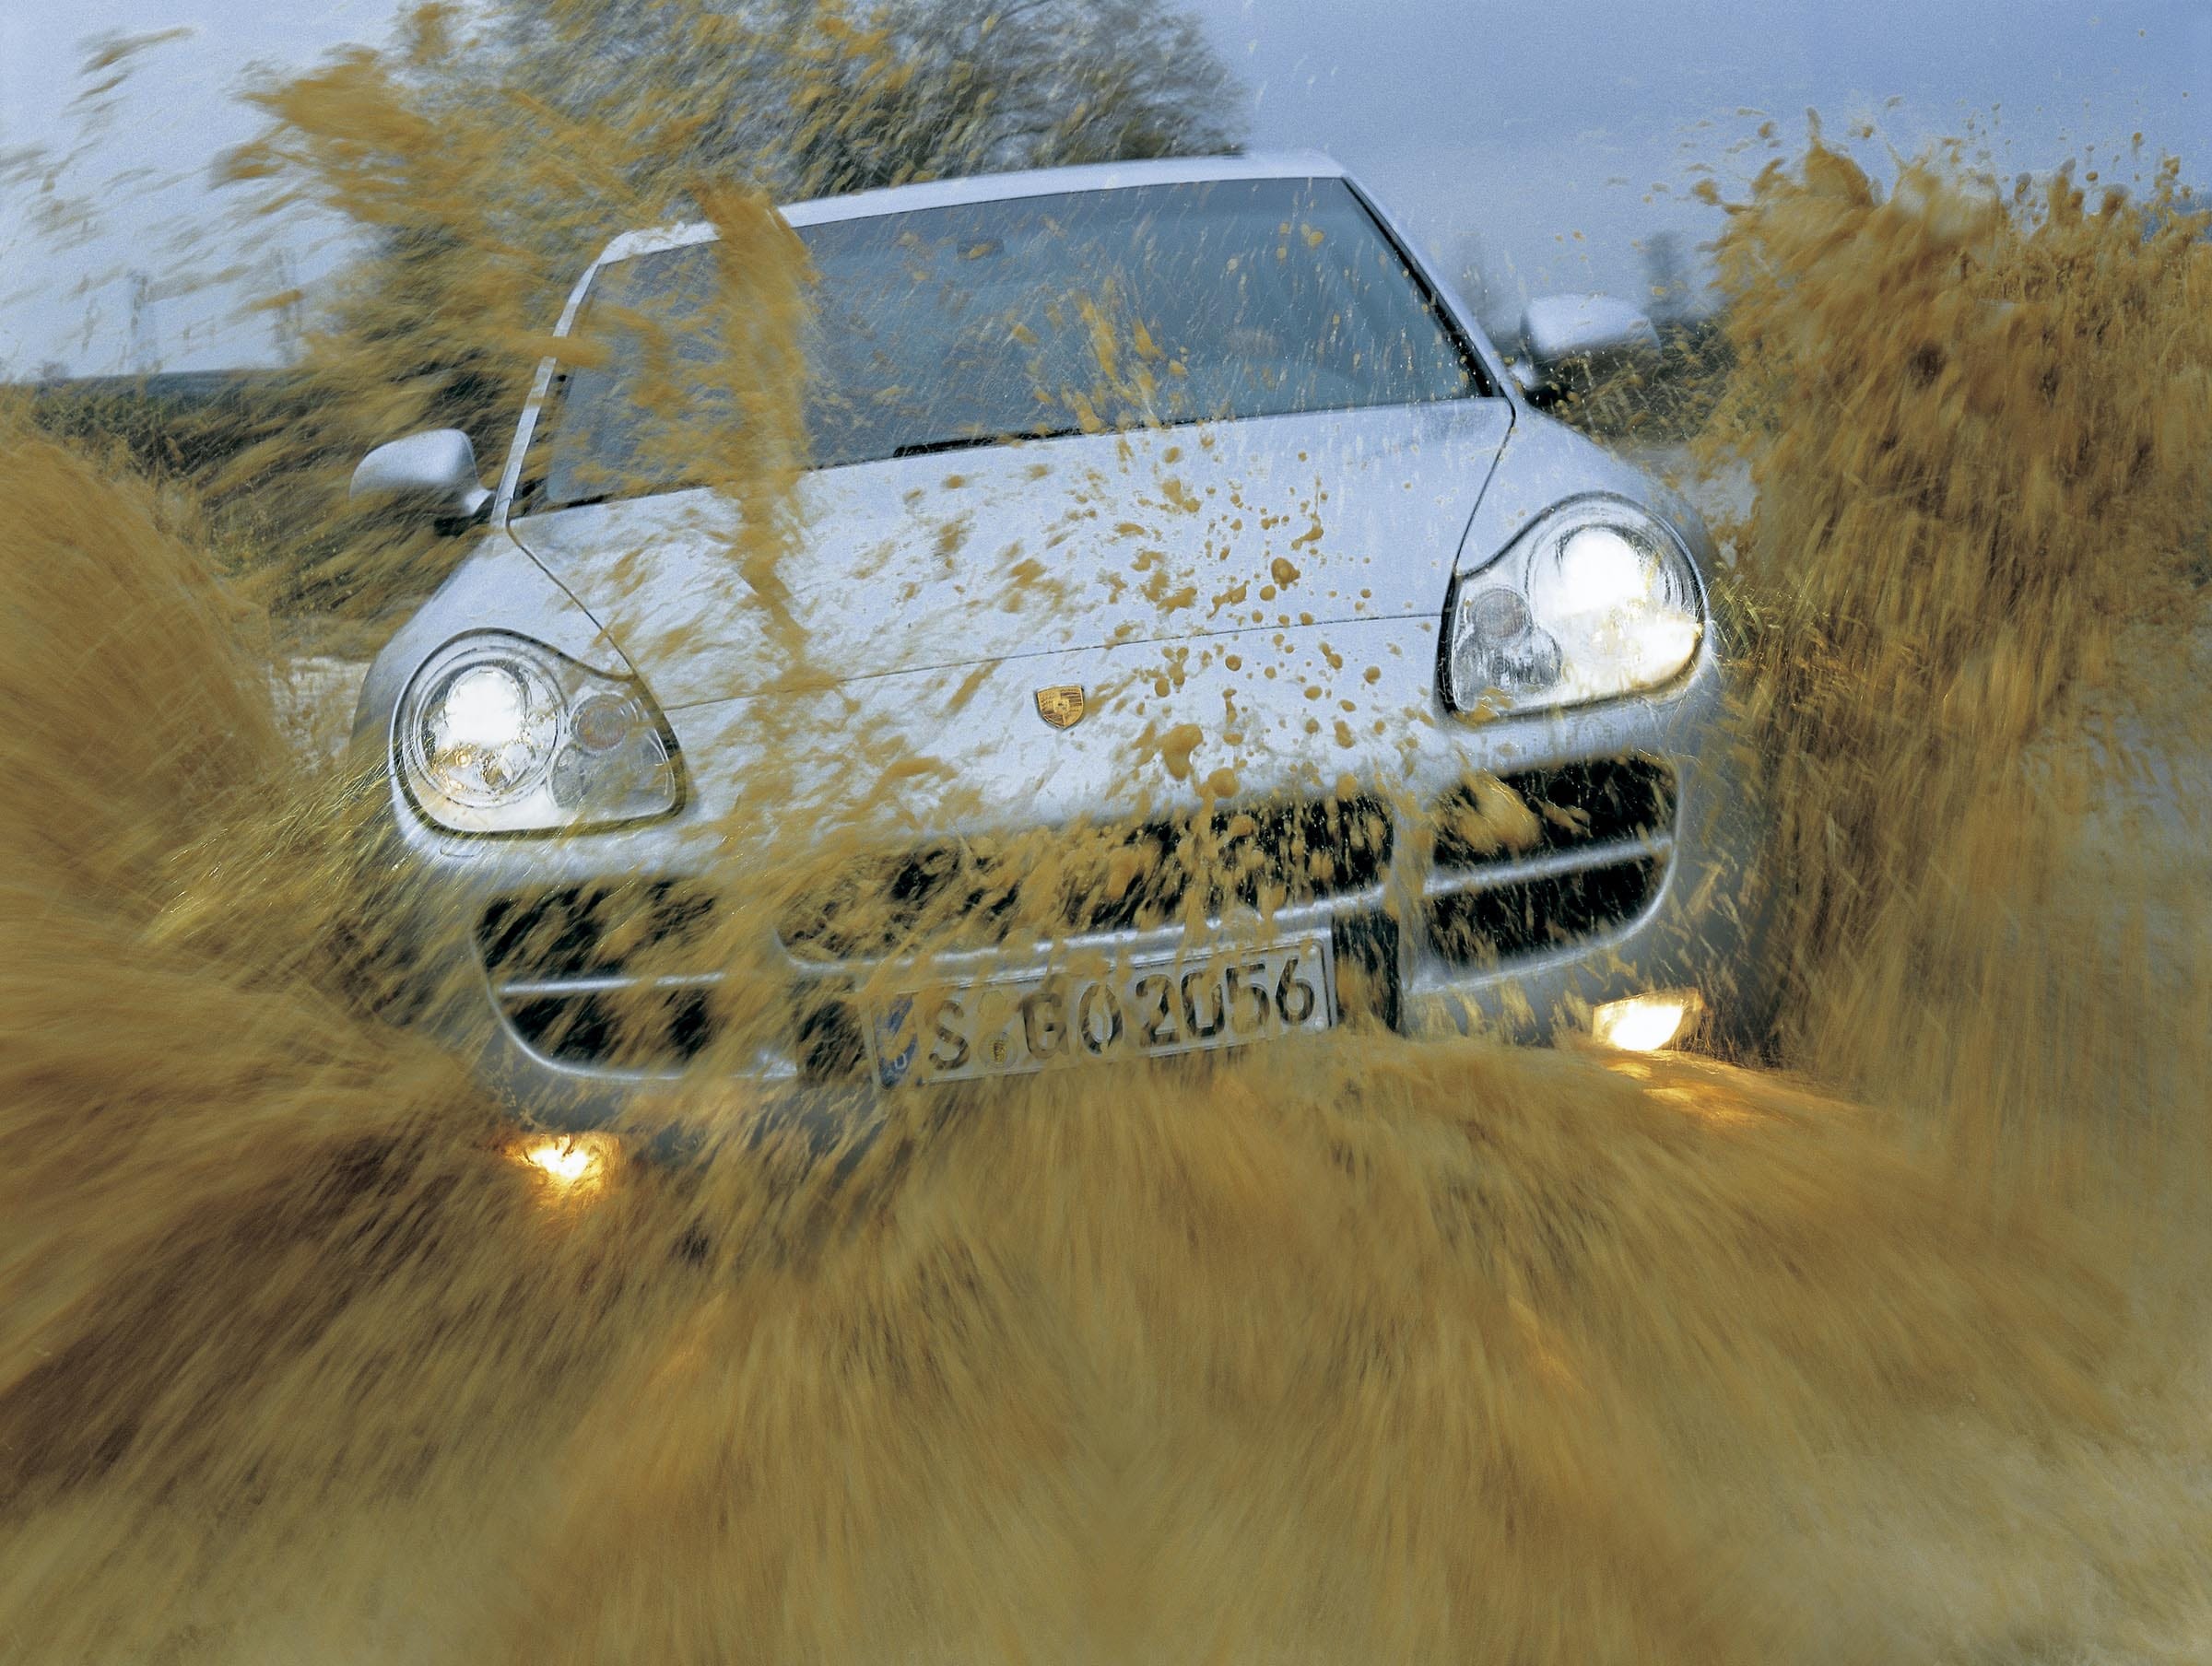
pixel 1458 942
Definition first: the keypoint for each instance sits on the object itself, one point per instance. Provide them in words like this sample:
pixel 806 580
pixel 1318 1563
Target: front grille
pixel 1546 859
pixel 1490 927
pixel 1607 801
pixel 984 894
pixel 594 931
pixel 634 1028
pixel 604 975
pixel 624 976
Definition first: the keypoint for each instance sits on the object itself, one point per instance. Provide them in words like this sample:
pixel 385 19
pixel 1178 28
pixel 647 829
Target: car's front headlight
pixel 498 734
pixel 1596 599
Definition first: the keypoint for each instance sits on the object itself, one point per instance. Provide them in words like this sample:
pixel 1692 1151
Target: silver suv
pixel 1177 499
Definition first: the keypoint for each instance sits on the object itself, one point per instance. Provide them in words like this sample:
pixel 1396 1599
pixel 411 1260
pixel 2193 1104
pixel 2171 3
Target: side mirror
pixel 1573 341
pixel 434 474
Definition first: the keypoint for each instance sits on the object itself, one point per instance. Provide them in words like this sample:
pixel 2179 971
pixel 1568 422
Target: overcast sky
pixel 1503 130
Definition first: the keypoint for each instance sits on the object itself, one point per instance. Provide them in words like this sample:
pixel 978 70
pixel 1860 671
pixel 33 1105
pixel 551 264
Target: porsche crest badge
pixel 1061 706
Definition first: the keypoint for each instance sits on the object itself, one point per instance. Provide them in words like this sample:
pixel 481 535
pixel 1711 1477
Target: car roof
pixel 999 187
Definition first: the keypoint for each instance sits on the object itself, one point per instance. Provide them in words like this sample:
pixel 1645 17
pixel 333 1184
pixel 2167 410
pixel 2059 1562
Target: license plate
pixel 1145 1009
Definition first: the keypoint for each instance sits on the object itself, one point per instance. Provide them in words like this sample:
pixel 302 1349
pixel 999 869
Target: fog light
pixel 1643 1024
pixel 569 1163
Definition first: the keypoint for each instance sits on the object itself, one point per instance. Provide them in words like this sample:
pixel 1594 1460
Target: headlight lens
pixel 501 735
pixel 1595 600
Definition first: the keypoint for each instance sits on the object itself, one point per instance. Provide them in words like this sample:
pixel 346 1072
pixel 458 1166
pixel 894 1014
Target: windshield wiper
pixel 968 442
pixel 626 493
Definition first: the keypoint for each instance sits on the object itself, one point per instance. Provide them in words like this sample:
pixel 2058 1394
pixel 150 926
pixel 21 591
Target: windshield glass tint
pixel 1073 313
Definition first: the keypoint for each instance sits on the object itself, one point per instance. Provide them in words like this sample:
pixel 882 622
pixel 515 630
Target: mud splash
pixel 1349 1349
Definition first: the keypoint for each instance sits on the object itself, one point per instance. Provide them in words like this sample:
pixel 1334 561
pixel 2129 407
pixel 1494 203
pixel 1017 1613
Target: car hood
pixel 969 557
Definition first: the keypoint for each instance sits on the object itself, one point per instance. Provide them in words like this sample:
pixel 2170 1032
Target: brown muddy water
pixel 1890 1348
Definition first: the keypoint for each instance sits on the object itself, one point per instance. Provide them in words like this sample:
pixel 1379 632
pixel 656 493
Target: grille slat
pixel 619 1031
pixel 1491 927
pixel 1541 859
pixel 1533 809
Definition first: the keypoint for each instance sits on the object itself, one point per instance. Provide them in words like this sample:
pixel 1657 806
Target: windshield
pixel 1073 313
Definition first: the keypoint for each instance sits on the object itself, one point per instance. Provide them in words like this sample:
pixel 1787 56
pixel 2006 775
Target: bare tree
pixel 656 102
pixel 812 98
